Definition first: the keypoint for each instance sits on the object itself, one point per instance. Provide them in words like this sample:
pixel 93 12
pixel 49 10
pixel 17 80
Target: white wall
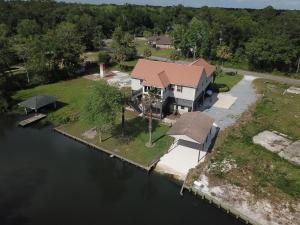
pixel 187 93
pixel 135 84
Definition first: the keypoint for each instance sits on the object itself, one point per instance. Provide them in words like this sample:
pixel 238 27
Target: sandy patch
pixel 90 134
pixel 261 211
pixel 225 101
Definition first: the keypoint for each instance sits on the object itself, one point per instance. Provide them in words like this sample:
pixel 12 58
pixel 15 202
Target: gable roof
pixel 195 125
pixel 209 69
pixel 161 40
pixel 161 74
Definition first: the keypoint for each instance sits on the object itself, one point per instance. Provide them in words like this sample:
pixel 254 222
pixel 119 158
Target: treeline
pixel 48 37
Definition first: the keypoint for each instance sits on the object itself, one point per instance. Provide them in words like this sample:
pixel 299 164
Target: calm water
pixel 46 178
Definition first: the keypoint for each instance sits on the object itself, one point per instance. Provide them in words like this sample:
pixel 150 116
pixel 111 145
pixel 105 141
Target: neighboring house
pixel 160 41
pixel 182 86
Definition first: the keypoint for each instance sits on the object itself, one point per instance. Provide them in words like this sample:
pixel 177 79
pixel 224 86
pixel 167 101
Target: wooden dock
pixel 32 119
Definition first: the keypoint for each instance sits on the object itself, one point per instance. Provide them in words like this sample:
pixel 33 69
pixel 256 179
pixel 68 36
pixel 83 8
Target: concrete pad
pixel 293 90
pixel 249 77
pixel 225 101
pixel 179 161
pixel 271 141
pixel 292 153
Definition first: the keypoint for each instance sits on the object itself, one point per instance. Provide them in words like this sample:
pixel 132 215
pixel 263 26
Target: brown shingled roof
pixel 209 69
pixel 195 125
pixel 161 40
pixel 173 73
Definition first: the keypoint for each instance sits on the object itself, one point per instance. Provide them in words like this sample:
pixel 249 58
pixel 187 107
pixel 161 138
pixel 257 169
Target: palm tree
pixel 149 99
pixel 126 94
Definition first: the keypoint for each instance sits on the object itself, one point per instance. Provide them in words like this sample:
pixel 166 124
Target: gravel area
pixel 246 95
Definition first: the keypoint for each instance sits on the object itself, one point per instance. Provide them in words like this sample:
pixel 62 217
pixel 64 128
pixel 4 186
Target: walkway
pixel 245 96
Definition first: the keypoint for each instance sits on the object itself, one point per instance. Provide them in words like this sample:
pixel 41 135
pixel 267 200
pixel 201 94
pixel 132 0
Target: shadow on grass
pixel 134 127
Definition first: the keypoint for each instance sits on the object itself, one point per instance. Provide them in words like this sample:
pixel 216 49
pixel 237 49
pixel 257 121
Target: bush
pixel 104 57
pixel 174 55
pixel 125 67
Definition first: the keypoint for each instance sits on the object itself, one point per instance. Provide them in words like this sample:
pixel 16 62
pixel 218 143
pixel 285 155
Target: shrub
pixel 104 57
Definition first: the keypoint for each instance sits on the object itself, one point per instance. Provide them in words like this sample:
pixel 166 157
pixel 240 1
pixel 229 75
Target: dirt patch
pixel 261 210
pixel 90 134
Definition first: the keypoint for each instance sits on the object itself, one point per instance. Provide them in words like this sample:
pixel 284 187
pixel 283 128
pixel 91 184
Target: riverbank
pixel 248 177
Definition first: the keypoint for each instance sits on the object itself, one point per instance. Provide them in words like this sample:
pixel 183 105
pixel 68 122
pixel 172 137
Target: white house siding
pixel 187 93
pixel 136 84
pixel 164 46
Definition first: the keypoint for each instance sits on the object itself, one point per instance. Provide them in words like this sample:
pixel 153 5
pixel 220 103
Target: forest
pixel 49 37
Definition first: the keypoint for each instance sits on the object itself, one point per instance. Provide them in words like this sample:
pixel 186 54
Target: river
pixel 46 178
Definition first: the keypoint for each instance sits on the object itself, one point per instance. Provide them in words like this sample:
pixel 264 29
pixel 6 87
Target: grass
pixel 71 96
pixel 141 46
pixel 258 170
pixel 133 145
pixel 225 82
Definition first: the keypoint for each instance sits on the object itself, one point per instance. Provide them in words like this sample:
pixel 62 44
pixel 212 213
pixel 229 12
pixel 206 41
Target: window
pixel 179 88
pixel 172 87
pixel 181 107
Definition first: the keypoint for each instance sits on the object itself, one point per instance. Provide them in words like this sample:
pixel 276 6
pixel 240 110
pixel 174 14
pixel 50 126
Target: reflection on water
pixel 46 178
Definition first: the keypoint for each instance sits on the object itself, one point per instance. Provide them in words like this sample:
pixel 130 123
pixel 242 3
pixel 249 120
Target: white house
pixel 182 86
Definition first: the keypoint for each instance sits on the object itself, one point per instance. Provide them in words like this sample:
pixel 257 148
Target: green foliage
pixel 26 28
pixel 104 57
pixel 271 53
pixel 123 45
pixel 223 52
pixel 98 38
pixel 102 107
pixel 175 55
pixel 147 52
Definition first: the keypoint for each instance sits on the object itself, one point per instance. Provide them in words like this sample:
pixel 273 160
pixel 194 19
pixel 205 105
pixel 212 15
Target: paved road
pixel 289 81
pixel 282 79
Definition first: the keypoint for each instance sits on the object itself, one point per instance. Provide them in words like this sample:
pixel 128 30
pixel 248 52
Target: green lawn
pixel 225 82
pixel 141 45
pixel 259 170
pixel 71 96
pixel 133 145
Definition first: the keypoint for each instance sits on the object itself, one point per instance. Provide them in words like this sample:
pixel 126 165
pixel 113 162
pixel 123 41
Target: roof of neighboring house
pixel 195 125
pixel 161 74
pixel 209 69
pixel 161 40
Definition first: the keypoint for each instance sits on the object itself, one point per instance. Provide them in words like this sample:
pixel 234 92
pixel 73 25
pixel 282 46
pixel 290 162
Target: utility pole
pixel 298 67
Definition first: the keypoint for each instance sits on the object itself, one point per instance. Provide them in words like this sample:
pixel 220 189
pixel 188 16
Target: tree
pixel 67 47
pixel 123 45
pixel 98 38
pixel 126 97
pixel 104 57
pixel 149 99
pixel 102 107
pixel 147 52
pixel 223 53
pixel 271 53
pixel 218 72
pixel 174 55
pixel 26 28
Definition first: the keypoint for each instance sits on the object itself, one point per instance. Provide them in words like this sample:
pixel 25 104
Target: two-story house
pixel 182 86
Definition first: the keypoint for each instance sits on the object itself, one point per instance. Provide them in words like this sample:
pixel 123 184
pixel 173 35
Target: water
pixel 46 178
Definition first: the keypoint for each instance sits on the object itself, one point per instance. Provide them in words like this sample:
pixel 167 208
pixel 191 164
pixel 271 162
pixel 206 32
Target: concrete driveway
pixel 244 94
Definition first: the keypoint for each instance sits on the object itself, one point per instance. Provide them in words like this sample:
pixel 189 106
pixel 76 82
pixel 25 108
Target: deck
pixel 32 119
